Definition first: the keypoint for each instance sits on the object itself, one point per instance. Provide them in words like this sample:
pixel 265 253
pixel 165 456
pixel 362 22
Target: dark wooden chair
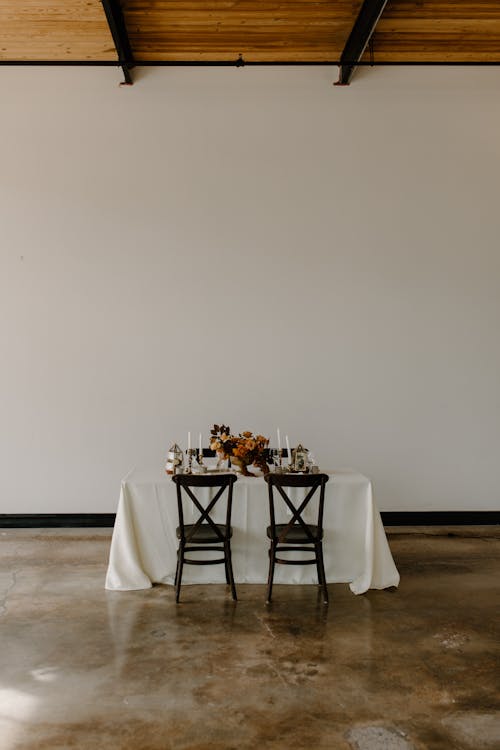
pixel 204 535
pixel 296 535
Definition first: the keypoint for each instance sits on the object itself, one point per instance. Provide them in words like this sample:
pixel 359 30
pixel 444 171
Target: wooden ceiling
pixel 438 31
pixel 259 30
pixel 54 30
pixel 274 31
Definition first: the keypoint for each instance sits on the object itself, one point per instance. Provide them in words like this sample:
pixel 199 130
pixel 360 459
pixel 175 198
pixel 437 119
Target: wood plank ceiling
pixel 438 31
pixel 54 30
pixel 259 30
pixel 279 31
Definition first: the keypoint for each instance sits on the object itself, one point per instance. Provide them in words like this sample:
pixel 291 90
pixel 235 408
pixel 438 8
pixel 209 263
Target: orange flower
pixel 245 446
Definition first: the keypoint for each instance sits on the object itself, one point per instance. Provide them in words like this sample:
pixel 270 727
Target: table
pixel 144 545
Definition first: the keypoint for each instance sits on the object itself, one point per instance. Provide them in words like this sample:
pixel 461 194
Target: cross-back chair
pixel 204 534
pixel 296 535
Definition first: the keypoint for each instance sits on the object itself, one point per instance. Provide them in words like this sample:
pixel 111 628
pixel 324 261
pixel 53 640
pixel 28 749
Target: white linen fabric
pixel 144 544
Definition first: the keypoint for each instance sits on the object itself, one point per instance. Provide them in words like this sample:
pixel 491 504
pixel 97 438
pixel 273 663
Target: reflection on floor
pixel 417 668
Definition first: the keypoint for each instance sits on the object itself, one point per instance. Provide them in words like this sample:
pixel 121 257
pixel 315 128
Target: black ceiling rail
pixel 118 28
pixel 363 28
pixel 239 63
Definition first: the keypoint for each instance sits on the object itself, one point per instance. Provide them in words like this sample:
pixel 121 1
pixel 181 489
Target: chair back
pixel 311 482
pixel 185 484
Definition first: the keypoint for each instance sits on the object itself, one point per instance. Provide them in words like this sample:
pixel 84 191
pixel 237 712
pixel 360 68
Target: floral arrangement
pixel 243 449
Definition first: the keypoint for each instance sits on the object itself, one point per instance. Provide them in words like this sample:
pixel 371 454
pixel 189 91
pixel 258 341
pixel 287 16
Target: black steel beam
pixel 238 63
pixel 118 28
pixel 363 28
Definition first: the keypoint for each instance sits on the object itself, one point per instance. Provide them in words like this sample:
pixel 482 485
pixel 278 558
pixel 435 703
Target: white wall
pixel 257 247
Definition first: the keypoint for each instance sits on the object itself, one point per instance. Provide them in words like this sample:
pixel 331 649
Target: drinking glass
pixel 275 457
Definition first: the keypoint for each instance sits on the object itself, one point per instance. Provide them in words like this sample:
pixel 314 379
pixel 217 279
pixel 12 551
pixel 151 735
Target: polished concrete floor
pixel 414 668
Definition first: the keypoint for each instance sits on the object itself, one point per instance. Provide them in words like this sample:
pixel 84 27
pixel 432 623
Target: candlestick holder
pixel 191 453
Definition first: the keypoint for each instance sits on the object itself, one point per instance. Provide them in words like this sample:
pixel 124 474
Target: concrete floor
pixel 391 670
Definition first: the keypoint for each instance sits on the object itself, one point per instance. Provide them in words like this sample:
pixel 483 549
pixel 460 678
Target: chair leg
pixel 318 565
pixel 270 578
pixel 321 571
pixel 226 566
pixel 177 568
pixel 229 569
pixel 179 574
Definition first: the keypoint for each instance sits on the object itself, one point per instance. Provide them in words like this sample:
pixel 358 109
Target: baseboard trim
pixel 441 518
pixel 56 520
pixel 107 520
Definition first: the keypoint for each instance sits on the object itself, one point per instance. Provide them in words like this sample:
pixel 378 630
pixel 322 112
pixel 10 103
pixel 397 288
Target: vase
pixel 243 465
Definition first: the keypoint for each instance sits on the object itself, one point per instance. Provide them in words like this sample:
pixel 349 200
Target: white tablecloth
pixel 144 545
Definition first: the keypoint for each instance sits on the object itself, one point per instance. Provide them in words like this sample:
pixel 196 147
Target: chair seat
pixel 295 535
pixel 204 534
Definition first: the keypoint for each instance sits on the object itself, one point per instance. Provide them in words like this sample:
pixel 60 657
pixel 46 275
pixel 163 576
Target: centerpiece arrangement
pixel 243 450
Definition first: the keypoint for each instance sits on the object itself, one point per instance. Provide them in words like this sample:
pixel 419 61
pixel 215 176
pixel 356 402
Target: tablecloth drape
pixel 144 546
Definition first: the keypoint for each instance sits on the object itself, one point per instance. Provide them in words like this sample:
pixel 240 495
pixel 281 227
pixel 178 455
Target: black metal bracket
pixel 360 35
pixel 371 48
pixel 118 29
pixel 240 61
